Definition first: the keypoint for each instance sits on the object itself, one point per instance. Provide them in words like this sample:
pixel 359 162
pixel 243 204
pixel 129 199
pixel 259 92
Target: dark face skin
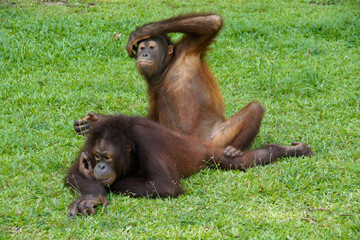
pixel 152 57
pixel 104 155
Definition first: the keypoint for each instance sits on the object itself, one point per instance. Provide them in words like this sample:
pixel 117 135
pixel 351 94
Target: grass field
pixel 300 59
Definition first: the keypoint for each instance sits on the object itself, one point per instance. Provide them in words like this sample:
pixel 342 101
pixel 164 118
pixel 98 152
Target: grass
pixel 300 59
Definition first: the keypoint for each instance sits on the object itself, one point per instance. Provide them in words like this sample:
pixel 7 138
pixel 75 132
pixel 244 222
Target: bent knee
pixel 256 107
pixel 217 21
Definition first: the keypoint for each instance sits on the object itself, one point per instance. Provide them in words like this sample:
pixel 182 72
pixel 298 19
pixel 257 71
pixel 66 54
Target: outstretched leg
pixel 262 156
pixel 239 130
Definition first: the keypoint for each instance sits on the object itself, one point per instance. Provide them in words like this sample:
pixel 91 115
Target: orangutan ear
pixel 170 49
pixel 128 148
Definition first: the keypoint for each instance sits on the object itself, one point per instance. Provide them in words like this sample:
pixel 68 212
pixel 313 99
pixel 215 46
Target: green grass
pixel 300 59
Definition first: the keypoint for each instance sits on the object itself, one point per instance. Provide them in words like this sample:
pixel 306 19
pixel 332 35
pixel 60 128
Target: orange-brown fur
pixel 186 97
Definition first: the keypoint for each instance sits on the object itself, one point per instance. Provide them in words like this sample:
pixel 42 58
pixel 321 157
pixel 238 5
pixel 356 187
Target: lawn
pixel 300 59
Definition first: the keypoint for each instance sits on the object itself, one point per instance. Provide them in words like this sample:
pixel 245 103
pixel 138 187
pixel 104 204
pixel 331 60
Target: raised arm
pixel 204 27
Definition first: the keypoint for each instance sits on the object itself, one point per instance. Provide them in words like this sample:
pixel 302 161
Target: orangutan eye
pixel 152 47
pixel 108 158
pixel 97 157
